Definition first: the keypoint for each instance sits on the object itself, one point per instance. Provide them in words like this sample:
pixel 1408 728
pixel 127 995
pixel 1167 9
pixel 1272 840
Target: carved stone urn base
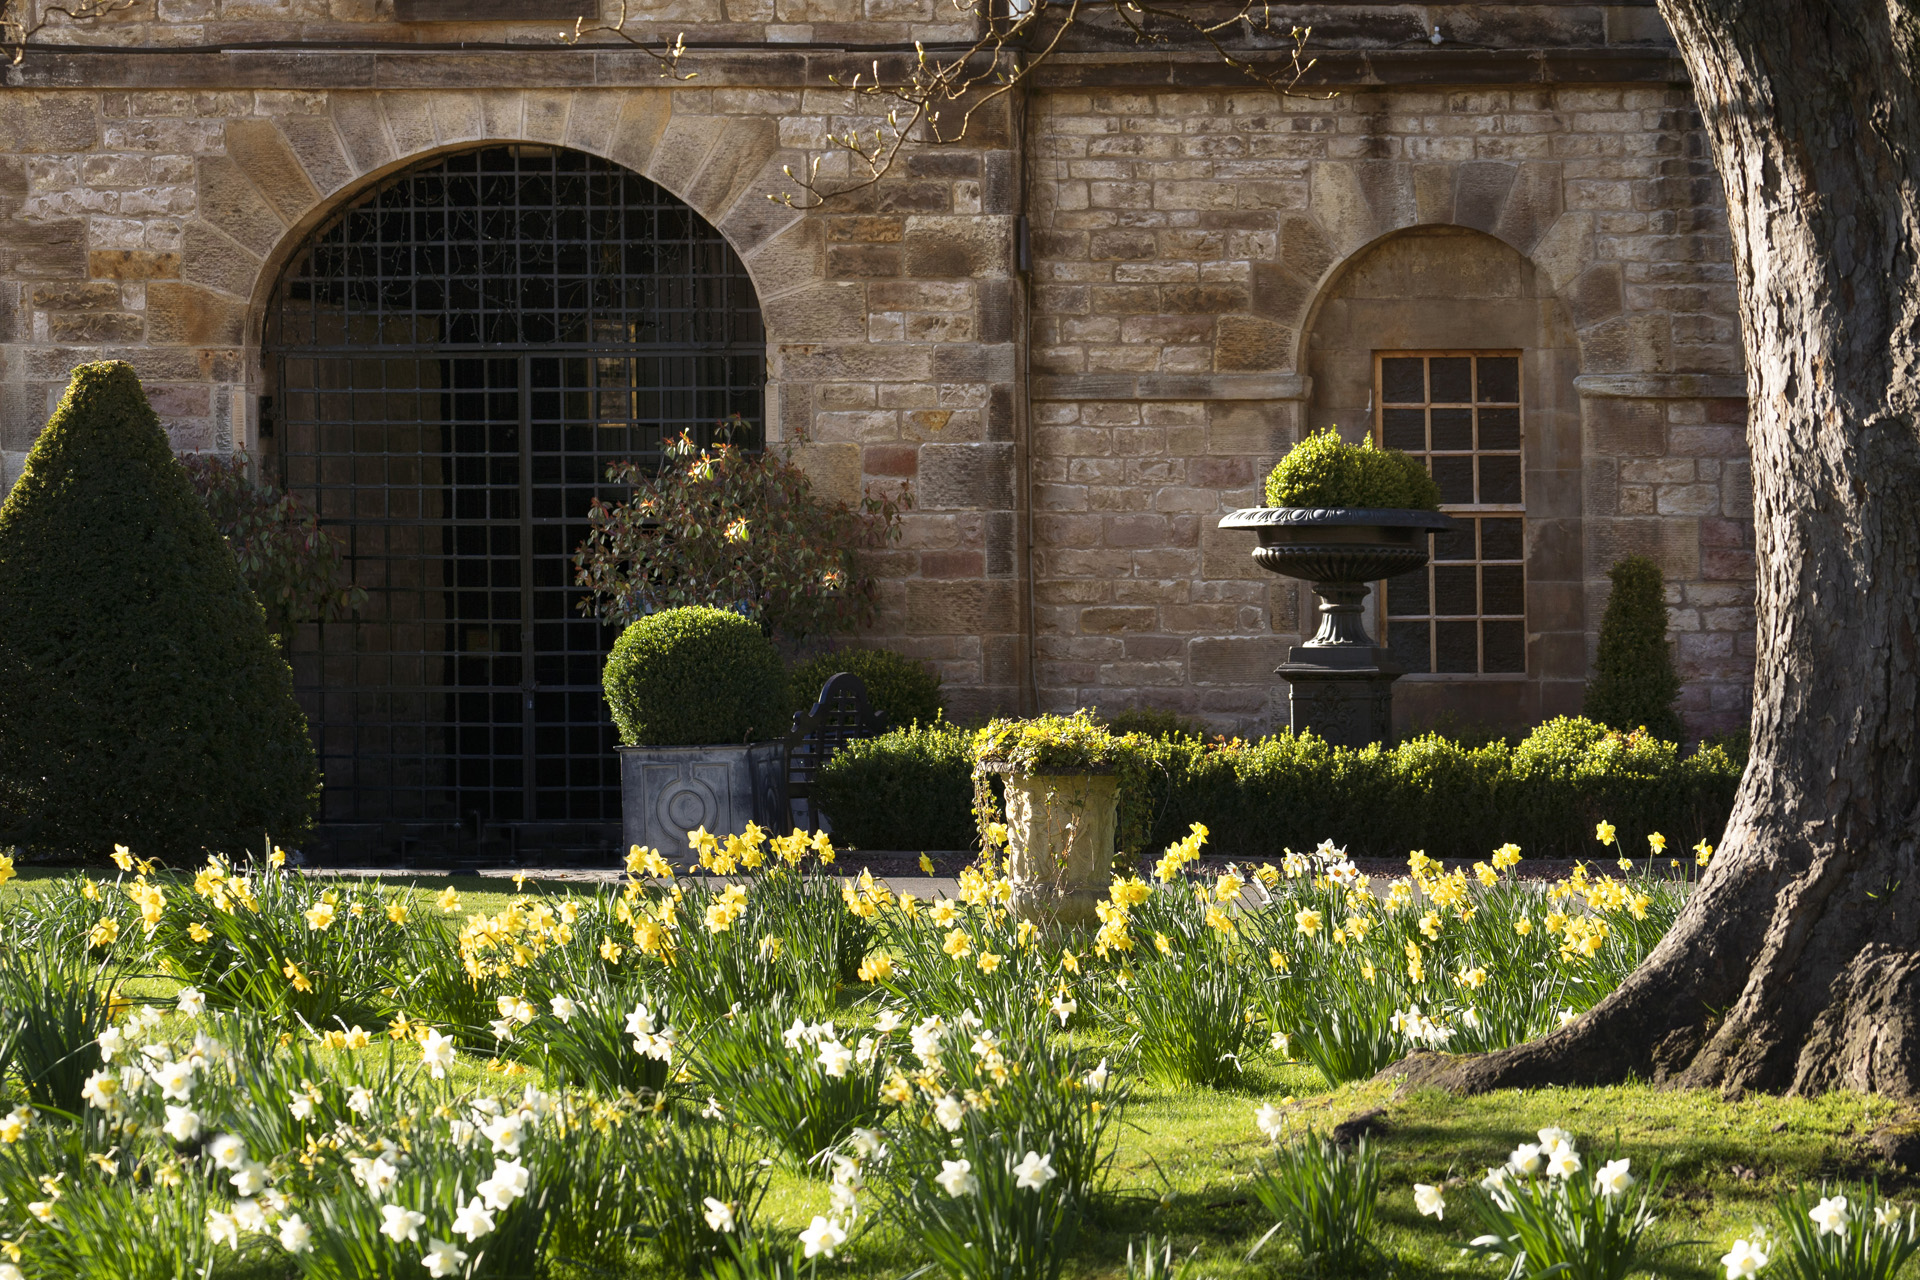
pixel 1060 831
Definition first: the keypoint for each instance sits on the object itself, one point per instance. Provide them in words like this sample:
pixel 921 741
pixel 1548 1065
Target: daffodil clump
pixel 1324 964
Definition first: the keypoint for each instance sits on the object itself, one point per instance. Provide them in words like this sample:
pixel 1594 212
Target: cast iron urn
pixel 1342 682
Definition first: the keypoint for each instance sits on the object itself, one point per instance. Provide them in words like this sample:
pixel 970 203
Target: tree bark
pixel 1796 966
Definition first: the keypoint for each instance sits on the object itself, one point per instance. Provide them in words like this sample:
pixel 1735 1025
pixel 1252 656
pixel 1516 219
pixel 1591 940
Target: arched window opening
pixel 458 355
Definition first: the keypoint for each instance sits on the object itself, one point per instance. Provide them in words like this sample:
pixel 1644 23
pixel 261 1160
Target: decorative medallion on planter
pixel 1342 682
pixel 665 792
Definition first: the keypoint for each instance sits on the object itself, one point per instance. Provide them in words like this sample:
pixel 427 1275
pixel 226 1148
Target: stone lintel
pixel 1661 386
pixel 1172 386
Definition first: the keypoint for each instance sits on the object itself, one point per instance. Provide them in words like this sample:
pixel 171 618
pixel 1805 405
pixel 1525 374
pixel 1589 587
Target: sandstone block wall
pixel 1072 432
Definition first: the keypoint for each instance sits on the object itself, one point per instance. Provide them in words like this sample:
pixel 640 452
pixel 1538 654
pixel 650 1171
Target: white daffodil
pixel 473 1221
pixel 1552 1139
pixel 1272 1121
pixel 295 1235
pixel 1612 1179
pixel 956 1178
pixel 101 1090
pixel 222 1229
pixel 443 1258
pixel 563 1008
pixel 249 1179
pixel 508 1183
pixel 1527 1159
pixel 1744 1260
pixel 401 1224
pixel 719 1215
pixel 437 1052
pixel 1830 1215
pixel 250 1215
pixel 868 1144
pixel 822 1236
pixel 1564 1163
pixel 835 1058
pixel 360 1100
pixel 1064 1008
pixel 1886 1215
pixel 112 1041
pixel 1097 1078
pixel 183 1123
pixel 949 1111
pixel 1428 1200
pixel 1033 1172
pixel 507 1133
pixel 175 1080
pixel 191 1001
pixel 228 1151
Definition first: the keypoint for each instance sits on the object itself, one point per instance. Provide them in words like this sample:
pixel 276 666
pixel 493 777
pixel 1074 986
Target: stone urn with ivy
pixel 1342 517
pixel 699 696
pixel 1060 776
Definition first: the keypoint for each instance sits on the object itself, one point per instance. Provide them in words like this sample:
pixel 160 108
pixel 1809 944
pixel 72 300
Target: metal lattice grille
pixel 460 355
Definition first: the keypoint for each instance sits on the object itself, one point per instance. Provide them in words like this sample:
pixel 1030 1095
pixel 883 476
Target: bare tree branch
pixel 18 25
pixel 936 102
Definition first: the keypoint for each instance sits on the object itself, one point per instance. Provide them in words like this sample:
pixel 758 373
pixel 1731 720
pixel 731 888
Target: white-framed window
pixel 1460 413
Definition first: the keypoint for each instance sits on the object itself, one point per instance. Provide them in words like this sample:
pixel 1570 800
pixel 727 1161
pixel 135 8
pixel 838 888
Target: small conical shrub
pixel 1634 684
pixel 142 701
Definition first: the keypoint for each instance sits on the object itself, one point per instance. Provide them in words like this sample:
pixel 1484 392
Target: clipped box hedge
pixel 911 790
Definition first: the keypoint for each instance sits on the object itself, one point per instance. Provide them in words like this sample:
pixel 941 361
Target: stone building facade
pixel 1083 333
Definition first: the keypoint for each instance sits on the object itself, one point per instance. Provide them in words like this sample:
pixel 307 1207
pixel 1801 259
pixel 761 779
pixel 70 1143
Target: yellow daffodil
pixel 449 900
pixel 1604 833
pixel 1307 920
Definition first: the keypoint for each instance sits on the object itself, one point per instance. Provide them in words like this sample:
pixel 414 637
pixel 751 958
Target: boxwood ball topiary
pixel 1324 471
pixel 696 677
pixel 142 701
pixel 903 690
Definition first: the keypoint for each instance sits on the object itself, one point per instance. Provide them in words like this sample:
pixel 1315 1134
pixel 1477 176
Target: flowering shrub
pixel 736 528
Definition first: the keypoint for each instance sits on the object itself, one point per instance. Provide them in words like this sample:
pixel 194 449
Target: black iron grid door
pixel 460 355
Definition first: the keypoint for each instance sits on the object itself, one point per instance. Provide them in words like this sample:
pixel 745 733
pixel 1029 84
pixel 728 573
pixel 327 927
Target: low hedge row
pixel 910 790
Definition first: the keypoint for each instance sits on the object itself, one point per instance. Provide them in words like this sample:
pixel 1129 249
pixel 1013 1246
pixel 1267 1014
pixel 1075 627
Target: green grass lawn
pixel 1183 1153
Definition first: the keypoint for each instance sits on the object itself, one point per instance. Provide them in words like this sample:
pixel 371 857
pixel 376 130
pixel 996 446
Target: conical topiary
pixel 1634 684
pixel 141 699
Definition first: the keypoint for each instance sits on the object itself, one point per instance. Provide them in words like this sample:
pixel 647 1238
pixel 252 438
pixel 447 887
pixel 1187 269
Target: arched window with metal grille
pixel 458 354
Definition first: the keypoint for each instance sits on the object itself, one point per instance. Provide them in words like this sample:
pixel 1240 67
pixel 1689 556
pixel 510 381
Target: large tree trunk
pixel 1796 966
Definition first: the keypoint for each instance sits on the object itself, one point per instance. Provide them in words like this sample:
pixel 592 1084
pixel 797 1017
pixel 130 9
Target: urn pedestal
pixel 1341 682
pixel 1060 834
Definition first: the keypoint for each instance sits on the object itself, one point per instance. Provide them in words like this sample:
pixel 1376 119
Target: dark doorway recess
pixel 458 355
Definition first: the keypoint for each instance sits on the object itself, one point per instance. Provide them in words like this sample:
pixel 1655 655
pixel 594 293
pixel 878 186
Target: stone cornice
pixel 1662 386
pixel 396 66
pixel 1171 386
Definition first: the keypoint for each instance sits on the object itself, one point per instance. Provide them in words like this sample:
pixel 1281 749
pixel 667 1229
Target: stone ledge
pixel 1172 386
pixel 1661 386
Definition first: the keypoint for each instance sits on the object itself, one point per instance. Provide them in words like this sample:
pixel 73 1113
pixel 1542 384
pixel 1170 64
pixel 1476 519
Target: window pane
pixel 1503 589
pixel 1407 594
pixel 1403 381
pixel 1404 429
pixel 1506 646
pixel 1455 546
pixel 1456 643
pixel 1499 428
pixel 1407 642
pixel 1500 539
pixel 1499 479
pixel 1453 429
pixel 1455 476
pixel 1452 380
pixel 1453 591
pixel 1500 378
